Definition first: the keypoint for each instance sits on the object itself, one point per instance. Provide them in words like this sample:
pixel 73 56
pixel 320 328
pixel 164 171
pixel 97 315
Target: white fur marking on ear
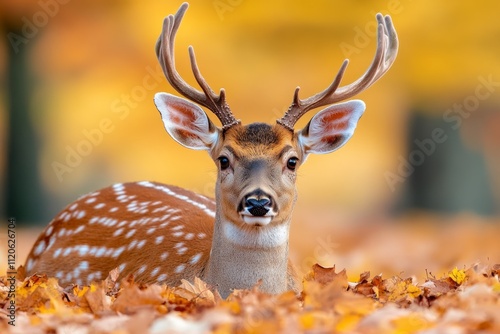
pixel 186 122
pixel 331 128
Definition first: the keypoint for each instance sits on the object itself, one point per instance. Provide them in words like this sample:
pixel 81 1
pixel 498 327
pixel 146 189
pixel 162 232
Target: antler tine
pixel 387 48
pixel 165 53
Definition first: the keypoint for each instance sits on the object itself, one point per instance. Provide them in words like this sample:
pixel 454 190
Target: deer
pixel 163 234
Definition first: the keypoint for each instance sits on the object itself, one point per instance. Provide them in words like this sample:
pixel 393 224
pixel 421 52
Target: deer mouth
pixel 256 220
pixel 257 209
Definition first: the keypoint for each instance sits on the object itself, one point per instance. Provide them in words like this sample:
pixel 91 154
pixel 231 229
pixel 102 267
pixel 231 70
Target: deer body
pixel 163 233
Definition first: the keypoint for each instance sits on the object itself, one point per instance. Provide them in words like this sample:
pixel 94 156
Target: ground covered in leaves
pixel 437 277
pixel 463 301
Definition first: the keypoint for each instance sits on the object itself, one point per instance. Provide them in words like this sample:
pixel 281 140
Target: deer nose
pixel 258 205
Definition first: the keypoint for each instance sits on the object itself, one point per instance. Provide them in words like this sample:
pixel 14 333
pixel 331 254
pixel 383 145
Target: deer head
pixel 258 163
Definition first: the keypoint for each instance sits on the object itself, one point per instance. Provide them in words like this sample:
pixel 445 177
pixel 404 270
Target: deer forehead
pixel 258 140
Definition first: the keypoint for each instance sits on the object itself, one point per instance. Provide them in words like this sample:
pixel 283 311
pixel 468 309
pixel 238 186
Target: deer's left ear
pixel 331 128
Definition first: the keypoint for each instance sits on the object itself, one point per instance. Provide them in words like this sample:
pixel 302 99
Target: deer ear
pixel 186 122
pixel 331 128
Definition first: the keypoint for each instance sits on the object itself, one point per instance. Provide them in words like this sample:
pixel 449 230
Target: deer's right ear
pixel 186 122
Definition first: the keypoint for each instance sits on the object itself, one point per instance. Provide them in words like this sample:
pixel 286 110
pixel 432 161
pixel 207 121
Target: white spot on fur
pixel 164 256
pixel 177 234
pixel 141 243
pixel 180 268
pixel 73 206
pixel 201 235
pixel 122 223
pixel 80 214
pixel 56 253
pixel 118 251
pixel 39 248
pixel 142 269
pixel 99 206
pixel 132 244
pixel 161 278
pixel 30 264
pixel 66 251
pixel 63 215
pixel 90 277
pixel 90 200
pixel 52 241
pixel 100 251
pixel 79 229
pixel 159 239
pixel 195 258
pixel 49 230
pixel 61 232
pixel 122 198
pixel 130 233
pixel 117 232
pixel 83 250
pixel 151 230
pixel 121 267
pixel 155 272
pixel 189 236
pixel 93 250
pixel 84 265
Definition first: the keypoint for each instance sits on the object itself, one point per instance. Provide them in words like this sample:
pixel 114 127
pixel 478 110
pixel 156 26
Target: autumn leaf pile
pixel 463 301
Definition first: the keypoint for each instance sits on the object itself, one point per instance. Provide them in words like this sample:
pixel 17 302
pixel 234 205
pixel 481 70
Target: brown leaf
pixel 365 287
pixel 198 289
pixel 97 300
pixel 324 275
pixel 133 297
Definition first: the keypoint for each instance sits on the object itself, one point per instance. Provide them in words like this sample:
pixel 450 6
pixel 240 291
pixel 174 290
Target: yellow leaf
pixel 233 306
pixel 348 322
pixel 458 276
pixel 410 324
pixel 307 321
pixel 80 291
pixel 413 290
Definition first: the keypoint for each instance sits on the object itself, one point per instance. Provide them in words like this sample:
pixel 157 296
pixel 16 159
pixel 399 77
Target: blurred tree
pixel 23 191
pixel 446 176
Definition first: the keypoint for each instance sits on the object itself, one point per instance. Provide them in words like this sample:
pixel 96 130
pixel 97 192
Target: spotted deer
pixel 161 233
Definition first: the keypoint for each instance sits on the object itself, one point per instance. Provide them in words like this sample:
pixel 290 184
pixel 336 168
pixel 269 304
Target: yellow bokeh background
pixel 93 66
pixel 92 57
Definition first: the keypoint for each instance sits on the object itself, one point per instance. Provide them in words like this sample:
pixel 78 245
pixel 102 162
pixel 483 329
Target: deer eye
pixel 224 162
pixel 291 164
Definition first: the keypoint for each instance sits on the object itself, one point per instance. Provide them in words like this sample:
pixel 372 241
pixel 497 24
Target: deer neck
pixel 241 257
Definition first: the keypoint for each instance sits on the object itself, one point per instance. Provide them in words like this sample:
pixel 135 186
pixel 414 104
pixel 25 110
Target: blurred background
pixel 76 113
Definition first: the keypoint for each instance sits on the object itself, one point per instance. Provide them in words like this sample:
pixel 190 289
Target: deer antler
pixel 387 49
pixel 165 53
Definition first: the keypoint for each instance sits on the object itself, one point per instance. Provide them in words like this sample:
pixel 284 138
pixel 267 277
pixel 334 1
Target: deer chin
pixel 257 221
